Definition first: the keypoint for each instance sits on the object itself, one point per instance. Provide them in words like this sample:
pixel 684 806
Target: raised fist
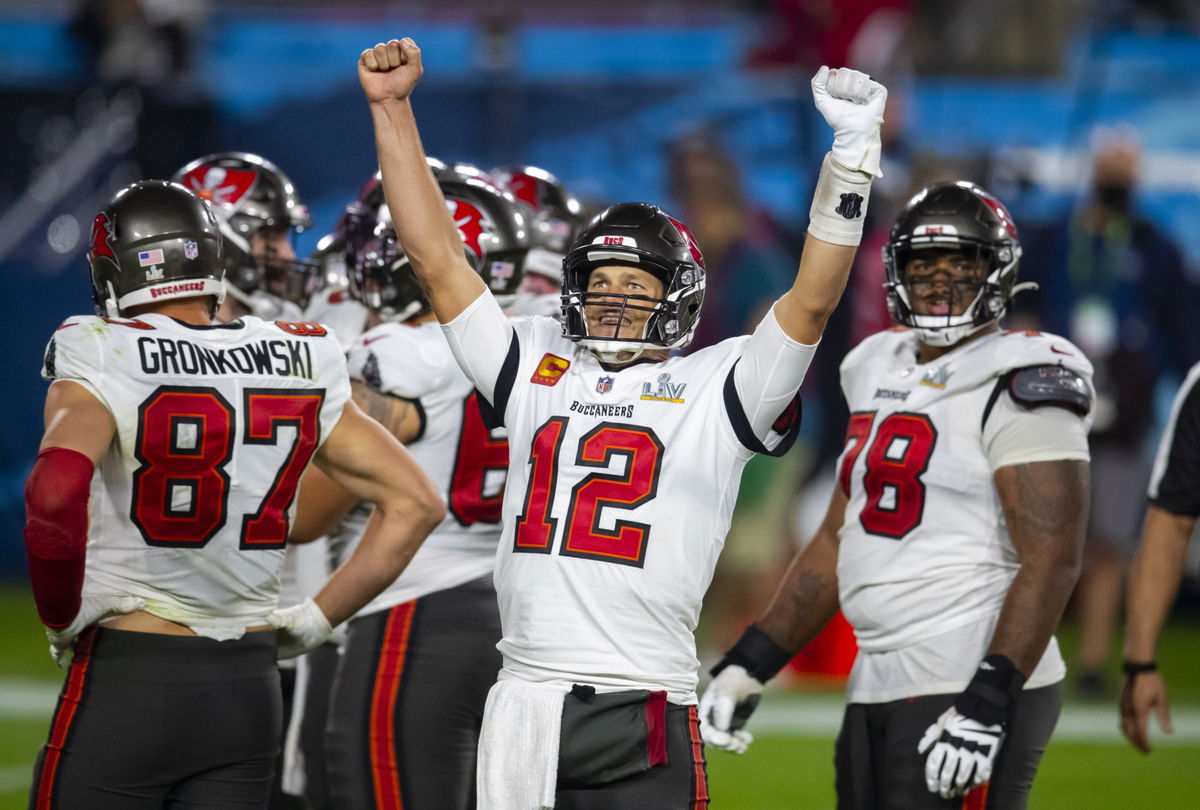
pixel 390 71
pixel 852 103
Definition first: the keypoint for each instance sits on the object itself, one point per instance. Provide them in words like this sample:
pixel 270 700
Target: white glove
pixel 725 707
pixel 91 610
pixel 852 105
pixel 963 753
pixel 302 627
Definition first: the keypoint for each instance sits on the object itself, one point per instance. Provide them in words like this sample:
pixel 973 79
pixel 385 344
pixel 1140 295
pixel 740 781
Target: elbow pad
pixel 56 529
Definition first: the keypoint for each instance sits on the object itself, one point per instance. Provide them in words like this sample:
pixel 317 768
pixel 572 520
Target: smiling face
pixel 943 282
pixel 613 316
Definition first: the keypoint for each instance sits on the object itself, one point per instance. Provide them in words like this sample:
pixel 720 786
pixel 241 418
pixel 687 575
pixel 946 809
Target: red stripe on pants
pixel 976 799
pixel 384 771
pixel 699 777
pixel 68 705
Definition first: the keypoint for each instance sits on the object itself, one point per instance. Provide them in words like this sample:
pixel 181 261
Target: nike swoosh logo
pixel 369 341
pixel 1057 350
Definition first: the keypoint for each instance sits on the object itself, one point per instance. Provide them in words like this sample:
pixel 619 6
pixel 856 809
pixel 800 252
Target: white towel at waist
pixel 518 746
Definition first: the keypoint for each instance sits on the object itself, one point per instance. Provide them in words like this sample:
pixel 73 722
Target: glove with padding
pixel 852 104
pixel 962 753
pixel 302 627
pixel 92 609
pixel 726 705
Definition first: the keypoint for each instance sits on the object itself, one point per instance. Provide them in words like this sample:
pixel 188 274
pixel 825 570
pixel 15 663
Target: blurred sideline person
pixel 624 460
pixel 199 433
pixel 1174 505
pixel 954 538
pixel 258 210
pixel 1115 283
pixel 418 661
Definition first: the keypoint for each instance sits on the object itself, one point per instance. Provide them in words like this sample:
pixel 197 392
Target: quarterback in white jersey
pixel 160 504
pixel 624 461
pixel 954 537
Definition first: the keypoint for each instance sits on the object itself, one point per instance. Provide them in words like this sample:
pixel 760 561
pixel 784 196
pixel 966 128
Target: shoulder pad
pixel 1035 386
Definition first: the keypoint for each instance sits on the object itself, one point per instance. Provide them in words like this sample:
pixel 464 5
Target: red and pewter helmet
pixel 644 236
pixel 154 241
pixel 249 193
pixel 556 216
pixel 960 216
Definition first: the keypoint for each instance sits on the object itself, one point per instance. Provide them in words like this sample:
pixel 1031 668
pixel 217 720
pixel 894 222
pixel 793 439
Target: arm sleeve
pixel 768 376
pixel 1015 434
pixel 1175 480
pixel 482 340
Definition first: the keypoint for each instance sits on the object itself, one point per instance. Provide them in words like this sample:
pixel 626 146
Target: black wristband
pixel 991 695
pixel 757 653
pixel 1133 668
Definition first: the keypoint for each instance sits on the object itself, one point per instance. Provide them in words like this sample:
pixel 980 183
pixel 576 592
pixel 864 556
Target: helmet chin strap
pixel 617 352
pixel 110 303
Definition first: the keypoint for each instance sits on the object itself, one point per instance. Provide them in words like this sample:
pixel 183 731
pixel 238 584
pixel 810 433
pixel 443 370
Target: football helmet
pixel 960 216
pixel 154 241
pixel 557 214
pixel 644 236
pixel 380 275
pixel 249 193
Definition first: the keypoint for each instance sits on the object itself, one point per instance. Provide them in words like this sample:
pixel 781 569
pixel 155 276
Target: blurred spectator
pixel 750 262
pixel 1113 283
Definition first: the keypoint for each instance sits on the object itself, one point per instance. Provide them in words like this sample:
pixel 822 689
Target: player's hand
pixel 725 707
pixel 390 71
pixel 302 627
pixel 91 610
pixel 852 104
pixel 1143 693
pixel 962 753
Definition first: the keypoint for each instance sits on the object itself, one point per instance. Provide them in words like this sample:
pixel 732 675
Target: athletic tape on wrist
pixel 757 653
pixel 1134 668
pixel 839 205
pixel 993 692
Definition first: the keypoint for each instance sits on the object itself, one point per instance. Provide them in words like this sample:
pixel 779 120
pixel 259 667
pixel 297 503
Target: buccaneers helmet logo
pixel 1001 214
pixel 220 186
pixel 102 235
pixel 691 241
pixel 525 189
pixel 470 223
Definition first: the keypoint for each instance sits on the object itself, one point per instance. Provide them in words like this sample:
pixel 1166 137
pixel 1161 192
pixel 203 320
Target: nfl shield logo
pixel 190 250
pixel 604 385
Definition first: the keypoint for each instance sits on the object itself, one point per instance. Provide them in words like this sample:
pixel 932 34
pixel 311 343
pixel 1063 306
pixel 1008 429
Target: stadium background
pixel 1006 92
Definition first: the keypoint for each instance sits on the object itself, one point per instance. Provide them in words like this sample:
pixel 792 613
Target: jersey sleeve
pixel 402 365
pixel 1018 434
pixel 1175 480
pixel 762 388
pixel 75 353
pixel 333 377
pixel 485 345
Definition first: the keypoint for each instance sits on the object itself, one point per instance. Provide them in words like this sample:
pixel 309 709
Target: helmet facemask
pixel 382 279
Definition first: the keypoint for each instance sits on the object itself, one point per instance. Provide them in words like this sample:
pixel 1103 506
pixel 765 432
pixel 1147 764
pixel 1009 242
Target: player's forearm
pixel 427 233
pixel 1045 509
pixel 1154 580
pixel 391 539
pixel 820 281
pixel 807 598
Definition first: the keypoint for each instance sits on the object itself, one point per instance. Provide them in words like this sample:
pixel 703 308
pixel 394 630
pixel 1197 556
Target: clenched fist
pixel 390 71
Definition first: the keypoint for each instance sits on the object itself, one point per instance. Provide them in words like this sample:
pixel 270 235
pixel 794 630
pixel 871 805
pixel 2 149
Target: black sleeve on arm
pixel 1175 483
pixel 788 423
pixel 493 412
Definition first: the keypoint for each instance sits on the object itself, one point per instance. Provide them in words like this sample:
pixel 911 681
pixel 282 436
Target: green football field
pixel 1087 766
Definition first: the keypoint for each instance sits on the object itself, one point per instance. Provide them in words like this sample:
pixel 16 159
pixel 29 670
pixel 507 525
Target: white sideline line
pixel 779 713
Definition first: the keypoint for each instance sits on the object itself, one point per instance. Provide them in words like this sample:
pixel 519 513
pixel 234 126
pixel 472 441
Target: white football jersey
pixel 615 518
pixel 337 309
pixel 466 460
pixel 923 548
pixel 215 424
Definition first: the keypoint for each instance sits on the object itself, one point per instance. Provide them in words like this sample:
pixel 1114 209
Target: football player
pixel 954 538
pixel 197 434
pixel 258 210
pixel 1159 563
pixel 555 215
pixel 419 659
pixel 624 460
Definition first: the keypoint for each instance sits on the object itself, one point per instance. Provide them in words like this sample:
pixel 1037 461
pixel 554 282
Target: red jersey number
pixel 626 542
pixel 896 459
pixel 185 440
pixel 479 454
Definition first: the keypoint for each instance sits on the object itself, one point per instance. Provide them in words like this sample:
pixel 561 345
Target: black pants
pixel 680 784
pixel 148 721
pixel 408 702
pixel 878 767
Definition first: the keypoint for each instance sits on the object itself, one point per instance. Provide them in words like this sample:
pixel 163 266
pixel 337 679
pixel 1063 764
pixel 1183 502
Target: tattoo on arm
pixel 385 409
